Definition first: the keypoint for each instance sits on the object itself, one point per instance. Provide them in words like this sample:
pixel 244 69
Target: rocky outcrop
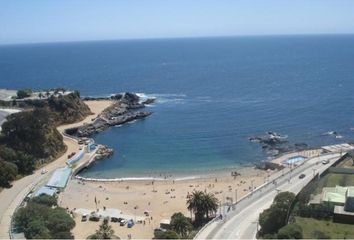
pixel 103 152
pixel 125 109
pixel 274 144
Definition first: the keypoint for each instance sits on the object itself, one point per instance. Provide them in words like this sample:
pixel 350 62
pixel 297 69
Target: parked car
pixel 84 218
pixel 122 222
pixel 114 219
pixel 94 218
pixel 302 176
pixel 130 223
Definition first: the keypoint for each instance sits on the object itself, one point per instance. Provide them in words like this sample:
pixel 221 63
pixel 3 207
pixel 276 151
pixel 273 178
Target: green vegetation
pixel 169 234
pixel 275 217
pixel 105 231
pixel 333 179
pixel 23 93
pixel 30 138
pixel 8 173
pixel 181 227
pixel 27 140
pixel 202 205
pixel 42 219
pixel 68 108
pixel 290 231
pixel 322 229
pixel 181 224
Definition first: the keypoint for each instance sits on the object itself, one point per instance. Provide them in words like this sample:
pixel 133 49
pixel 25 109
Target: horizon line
pixel 171 38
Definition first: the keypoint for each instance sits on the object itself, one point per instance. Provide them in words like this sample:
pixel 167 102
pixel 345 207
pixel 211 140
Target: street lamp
pixel 235 196
pixel 252 186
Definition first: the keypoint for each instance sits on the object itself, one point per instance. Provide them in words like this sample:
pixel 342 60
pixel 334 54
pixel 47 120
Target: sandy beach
pixel 161 199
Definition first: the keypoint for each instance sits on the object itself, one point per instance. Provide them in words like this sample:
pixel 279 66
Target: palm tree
pixel 105 231
pixel 202 204
pixel 210 203
pixel 180 224
pixel 195 204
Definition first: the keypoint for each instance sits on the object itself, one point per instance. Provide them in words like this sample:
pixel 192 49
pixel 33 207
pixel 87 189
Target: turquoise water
pixel 212 94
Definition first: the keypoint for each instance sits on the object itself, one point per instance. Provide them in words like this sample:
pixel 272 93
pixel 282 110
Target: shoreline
pixel 176 176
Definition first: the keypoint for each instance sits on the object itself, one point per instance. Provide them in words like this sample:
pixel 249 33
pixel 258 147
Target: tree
pixel 59 221
pixel 45 199
pixel 202 204
pixel 210 204
pixel 180 224
pixel 40 220
pixel 275 217
pixel 8 173
pixel 23 93
pixel 169 234
pixel 290 231
pixel 105 231
pixel 37 230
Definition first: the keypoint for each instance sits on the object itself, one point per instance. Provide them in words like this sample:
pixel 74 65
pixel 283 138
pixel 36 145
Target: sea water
pixel 212 94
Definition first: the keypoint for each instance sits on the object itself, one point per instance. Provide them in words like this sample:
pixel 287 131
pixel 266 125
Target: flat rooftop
pixel 59 178
pixel 338 148
pixel 340 210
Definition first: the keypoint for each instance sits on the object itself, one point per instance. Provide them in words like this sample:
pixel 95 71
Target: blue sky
pixel 24 21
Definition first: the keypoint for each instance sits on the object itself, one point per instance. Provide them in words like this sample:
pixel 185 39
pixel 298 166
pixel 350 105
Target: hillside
pixel 30 138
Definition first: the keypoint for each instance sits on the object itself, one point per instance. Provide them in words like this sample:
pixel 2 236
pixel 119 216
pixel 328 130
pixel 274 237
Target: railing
pixel 262 189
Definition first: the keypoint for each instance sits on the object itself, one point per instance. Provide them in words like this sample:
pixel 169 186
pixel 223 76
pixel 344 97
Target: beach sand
pixel 161 199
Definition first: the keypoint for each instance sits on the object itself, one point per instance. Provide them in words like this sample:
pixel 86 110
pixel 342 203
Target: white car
pixel 325 162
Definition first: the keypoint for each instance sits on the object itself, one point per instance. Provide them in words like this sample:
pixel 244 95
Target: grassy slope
pixel 334 230
pixel 333 179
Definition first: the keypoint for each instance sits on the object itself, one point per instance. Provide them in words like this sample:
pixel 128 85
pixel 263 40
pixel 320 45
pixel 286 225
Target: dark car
pixel 302 176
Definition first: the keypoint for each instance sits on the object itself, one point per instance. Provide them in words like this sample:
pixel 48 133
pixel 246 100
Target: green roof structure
pixel 337 194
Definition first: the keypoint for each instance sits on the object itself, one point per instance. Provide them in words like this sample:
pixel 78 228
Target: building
pixel 59 179
pixel 343 198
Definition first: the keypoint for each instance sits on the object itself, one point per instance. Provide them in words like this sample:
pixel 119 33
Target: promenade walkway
pixel 242 222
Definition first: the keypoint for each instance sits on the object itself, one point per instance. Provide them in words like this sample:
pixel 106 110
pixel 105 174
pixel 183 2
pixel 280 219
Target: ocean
pixel 212 95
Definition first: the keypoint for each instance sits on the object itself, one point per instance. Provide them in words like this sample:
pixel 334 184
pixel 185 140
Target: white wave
pixel 163 98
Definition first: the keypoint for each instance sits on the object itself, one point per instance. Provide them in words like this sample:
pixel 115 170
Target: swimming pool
pixel 294 160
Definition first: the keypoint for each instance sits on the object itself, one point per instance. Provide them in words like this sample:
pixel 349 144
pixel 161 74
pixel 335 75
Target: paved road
pixel 242 223
pixel 12 197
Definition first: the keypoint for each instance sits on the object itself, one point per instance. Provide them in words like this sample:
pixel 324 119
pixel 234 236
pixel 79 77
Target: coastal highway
pixel 242 223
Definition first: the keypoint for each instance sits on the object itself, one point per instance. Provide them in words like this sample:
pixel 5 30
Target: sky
pixel 31 21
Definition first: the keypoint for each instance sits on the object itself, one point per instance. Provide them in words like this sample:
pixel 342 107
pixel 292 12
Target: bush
pixel 290 231
pixel 275 217
pixel 320 235
pixel 166 235
pixel 23 93
pixel 45 199
pixel 39 220
pixel 8 173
